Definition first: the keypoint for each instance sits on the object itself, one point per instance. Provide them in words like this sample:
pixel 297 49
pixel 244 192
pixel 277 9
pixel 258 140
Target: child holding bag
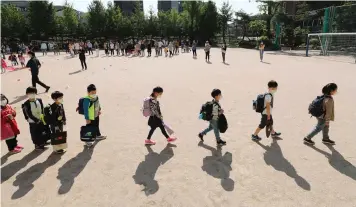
pixel 9 128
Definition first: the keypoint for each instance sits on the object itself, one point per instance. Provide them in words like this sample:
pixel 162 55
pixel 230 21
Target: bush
pixel 314 43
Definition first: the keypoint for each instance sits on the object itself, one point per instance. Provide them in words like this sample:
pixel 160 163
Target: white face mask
pixel 273 91
pixel 93 96
pixel 31 96
pixel 3 102
pixel 60 100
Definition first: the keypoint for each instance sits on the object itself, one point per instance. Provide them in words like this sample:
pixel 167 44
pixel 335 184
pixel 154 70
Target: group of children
pixel 14 61
pixel 46 122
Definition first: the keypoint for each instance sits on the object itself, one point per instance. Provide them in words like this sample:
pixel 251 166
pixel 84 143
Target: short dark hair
pixel 91 88
pixel 330 87
pixel 31 53
pixel 272 84
pixel 215 92
pixel 157 89
pixel 57 94
pixel 31 90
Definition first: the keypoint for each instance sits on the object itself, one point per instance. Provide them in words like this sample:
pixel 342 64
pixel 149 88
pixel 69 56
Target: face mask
pixel 3 102
pixel 60 101
pixel 31 96
pixel 93 96
pixel 273 91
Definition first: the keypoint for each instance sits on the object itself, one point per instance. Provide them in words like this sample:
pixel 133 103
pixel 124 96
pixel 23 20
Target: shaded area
pixel 218 166
pixel 299 54
pixel 73 167
pixel 5 158
pixel 75 72
pixel 18 99
pixel 26 179
pixel 147 169
pixel 274 157
pixel 338 162
pixel 11 169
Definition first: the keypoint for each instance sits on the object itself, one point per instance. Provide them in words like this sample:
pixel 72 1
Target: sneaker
pixel 15 151
pixel 19 146
pixel 60 151
pixel 40 147
pixel 328 141
pixel 309 141
pixel 200 135
pixel 221 142
pixel 171 139
pixel 255 138
pixel 276 134
pixel 101 137
pixel 150 142
pixel 47 89
pixel 47 143
pixel 89 144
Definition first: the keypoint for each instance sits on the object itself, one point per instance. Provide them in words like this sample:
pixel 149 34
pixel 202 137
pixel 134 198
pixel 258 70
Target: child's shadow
pixel 147 169
pixel 218 166
pixel 274 157
pixel 338 162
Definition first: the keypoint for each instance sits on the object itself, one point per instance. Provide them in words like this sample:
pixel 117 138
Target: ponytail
pixel 329 88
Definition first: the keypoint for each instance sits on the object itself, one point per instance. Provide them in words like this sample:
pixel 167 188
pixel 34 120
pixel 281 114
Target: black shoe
pixel 276 134
pixel 328 141
pixel 47 89
pixel 39 148
pixel 255 137
pixel 60 151
pixel 308 141
pixel 201 137
pixel 221 142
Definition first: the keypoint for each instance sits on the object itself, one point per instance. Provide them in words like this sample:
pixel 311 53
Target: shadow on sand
pixel 338 162
pixel 11 169
pixel 26 179
pixel 73 167
pixel 75 72
pixel 18 99
pixel 218 166
pixel 274 157
pixel 147 169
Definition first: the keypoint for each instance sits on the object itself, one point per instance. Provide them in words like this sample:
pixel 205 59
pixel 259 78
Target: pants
pixel 320 126
pixel 155 122
pixel 194 53
pixel 11 143
pixel 44 51
pixel 261 54
pixel 117 52
pixel 90 50
pixel 264 121
pixel 143 53
pixel 84 64
pixel 223 56
pixel 157 52
pixel 213 125
pixel 123 52
pixel 170 53
pixel 35 80
pixel 96 124
pixel 149 52
pixel 36 134
pixel 112 51
pixel 207 55
pixel 160 50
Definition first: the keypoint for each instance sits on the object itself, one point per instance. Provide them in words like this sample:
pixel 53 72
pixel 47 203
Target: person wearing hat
pixel 34 65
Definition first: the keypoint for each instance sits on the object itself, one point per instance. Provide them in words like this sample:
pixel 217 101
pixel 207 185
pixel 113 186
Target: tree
pixel 152 27
pixel 258 27
pixel 208 24
pixel 70 19
pixel 96 18
pixel 12 21
pixel 270 8
pixel 193 12
pixel 225 17
pixel 138 22
pixel 242 19
pixel 42 19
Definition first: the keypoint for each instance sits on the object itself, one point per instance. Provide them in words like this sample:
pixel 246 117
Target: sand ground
pixel 122 172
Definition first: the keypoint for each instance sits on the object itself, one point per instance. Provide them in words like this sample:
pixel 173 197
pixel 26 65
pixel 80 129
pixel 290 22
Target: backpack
pixel 259 104
pixel 146 109
pixel 80 108
pixel 316 108
pixel 222 123
pixel 206 111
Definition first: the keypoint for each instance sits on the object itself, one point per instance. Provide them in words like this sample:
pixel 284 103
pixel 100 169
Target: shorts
pixel 264 121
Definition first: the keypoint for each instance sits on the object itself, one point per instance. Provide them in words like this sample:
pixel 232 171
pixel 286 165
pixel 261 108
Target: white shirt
pixel 43 46
pixel 268 99
pixel 89 45
pixel 160 44
pixel 112 45
pixel 76 46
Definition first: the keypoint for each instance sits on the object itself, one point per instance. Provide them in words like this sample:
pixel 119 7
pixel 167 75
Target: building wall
pixel 128 7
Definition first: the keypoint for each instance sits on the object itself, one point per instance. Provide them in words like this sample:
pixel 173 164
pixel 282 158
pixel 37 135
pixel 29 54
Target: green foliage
pixel 12 21
pixel 242 19
pixel 41 19
pixel 208 26
pixel 314 43
pixel 225 17
pixel 70 19
pixel 258 27
pixel 96 18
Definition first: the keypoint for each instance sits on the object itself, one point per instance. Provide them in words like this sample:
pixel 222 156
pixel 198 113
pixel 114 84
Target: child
pixel 216 110
pixel 33 112
pixel 57 119
pixel 262 49
pixel 267 112
pixel 324 120
pixel 194 49
pixel 92 111
pixel 166 51
pixel 9 128
pixel 22 60
pixel 207 51
pixel 13 59
pixel 156 118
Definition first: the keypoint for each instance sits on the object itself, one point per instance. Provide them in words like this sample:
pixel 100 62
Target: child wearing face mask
pixel 156 119
pixel 33 112
pixel 324 120
pixel 92 110
pixel 58 118
pixel 266 115
pixel 9 128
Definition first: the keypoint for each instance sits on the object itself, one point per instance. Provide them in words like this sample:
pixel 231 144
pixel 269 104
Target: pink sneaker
pixel 171 139
pixel 149 142
pixel 15 151
pixel 19 146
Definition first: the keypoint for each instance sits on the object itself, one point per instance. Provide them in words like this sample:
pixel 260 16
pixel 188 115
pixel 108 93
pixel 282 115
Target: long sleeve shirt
pixel 329 109
pixel 155 108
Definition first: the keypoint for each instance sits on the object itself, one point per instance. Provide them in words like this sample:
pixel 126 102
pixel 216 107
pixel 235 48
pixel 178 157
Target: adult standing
pixel 112 47
pixel 149 48
pixel 82 59
pixel 262 50
pixel 122 47
pixel 207 51
pixel 160 46
pixel 90 47
pixel 117 48
pixel 223 51
pixel 156 48
pixel 34 66
pixel 170 47
pixel 44 48
pixel 194 49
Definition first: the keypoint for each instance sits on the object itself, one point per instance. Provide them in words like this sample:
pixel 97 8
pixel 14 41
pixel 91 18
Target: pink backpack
pixel 146 110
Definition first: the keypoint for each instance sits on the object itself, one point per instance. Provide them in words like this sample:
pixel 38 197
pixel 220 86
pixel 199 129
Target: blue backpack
pixel 316 108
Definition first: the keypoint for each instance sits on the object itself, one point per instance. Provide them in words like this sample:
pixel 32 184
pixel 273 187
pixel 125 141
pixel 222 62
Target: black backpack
pixel 207 111
pixel 222 123
pixel 80 108
pixel 259 104
pixel 316 108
